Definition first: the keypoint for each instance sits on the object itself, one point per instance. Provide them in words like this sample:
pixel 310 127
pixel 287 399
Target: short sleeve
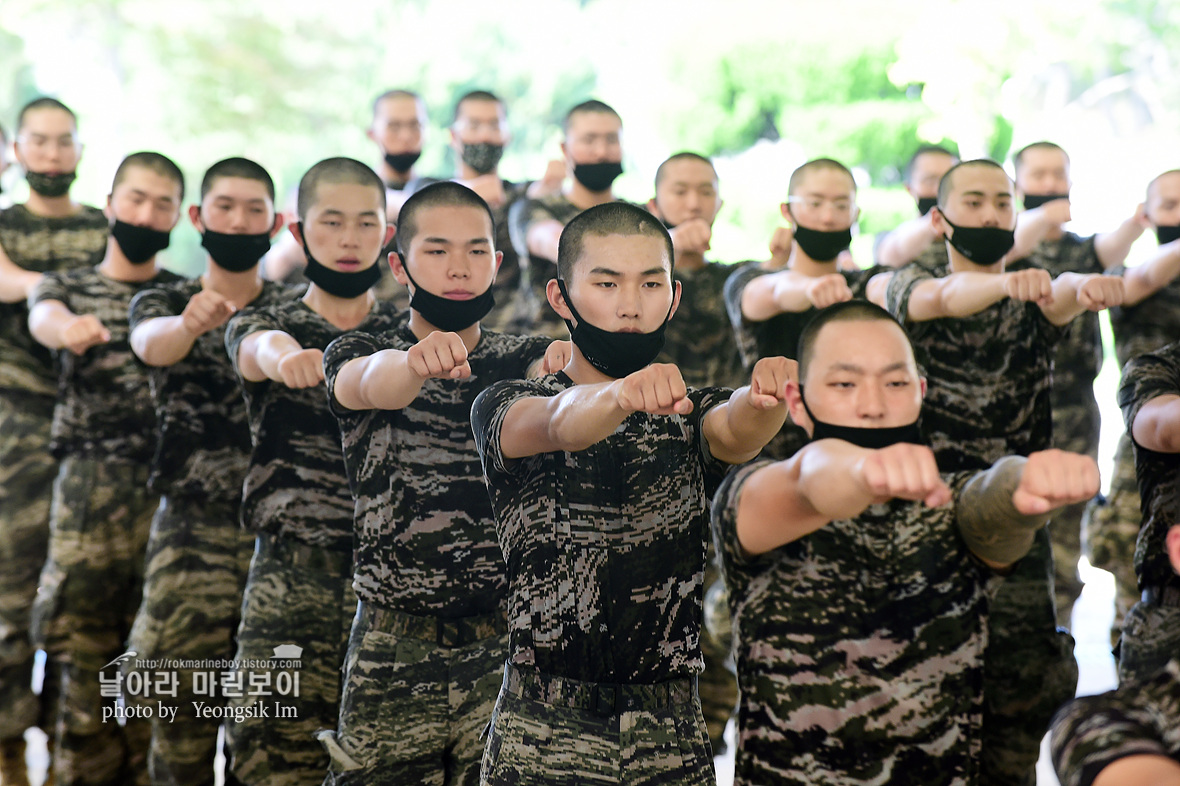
pixel 487 421
pixel 703 400
pixel 50 287
pixel 1092 732
pixel 345 348
pixel 243 324
pixel 1148 377
pixel 724 516
pixel 901 289
pixel 152 304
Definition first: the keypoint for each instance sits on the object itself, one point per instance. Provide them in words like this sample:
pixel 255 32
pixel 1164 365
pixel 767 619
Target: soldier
pixel 1127 737
pixel 198 553
pixel 593 153
pixel 916 240
pixel 49 232
pixel 1148 396
pixel 985 338
pixel 430 636
pixel 1148 320
pixel 104 433
pixel 295 497
pixel 1043 181
pixel 701 344
pixel 821 206
pixel 598 476
pixel 858 593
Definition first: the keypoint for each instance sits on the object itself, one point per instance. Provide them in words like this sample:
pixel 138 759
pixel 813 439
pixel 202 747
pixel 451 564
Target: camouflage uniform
pixel 1141 719
pixel 605 549
pixel 299 587
pixel 427 650
pixel 1151 632
pixel 1113 526
pixel 990 376
pixel 27 469
pixel 1076 419
pixel 197 553
pixel 860 647
pixel 776 336
pixel 104 430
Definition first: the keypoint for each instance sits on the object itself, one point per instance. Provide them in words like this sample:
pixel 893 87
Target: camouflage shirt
pixel 605 547
pixel 1079 354
pixel 203 440
pixel 41 245
pixel 426 543
pixel 1145 378
pixel 859 647
pixel 296 486
pixel 1147 325
pixel 699 339
pixel 989 376
pixel 741 275
pixel 1093 731
pixel 104 405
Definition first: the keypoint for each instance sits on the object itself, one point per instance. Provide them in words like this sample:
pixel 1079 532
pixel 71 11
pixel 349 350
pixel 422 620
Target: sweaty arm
pixel 392 378
pixel 739 428
pixel 277 356
pixel 1157 424
pixel 786 291
pixel 15 282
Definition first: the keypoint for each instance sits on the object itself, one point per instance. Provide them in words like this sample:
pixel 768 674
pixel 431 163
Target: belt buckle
pixel 606 699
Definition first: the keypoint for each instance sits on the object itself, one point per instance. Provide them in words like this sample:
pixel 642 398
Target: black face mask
pixel 982 245
pixel 402 162
pixel 139 244
pixel 235 253
pixel 822 246
pixel 925 203
pixel 336 283
pixel 614 354
pixel 1033 201
pixel 450 316
pixel 51 185
pixel 483 157
pixel 869 438
pixel 598 177
pixel 1166 234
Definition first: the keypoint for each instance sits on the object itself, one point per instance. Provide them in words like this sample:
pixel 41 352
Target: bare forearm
pixel 543 238
pixel 584 415
pixel 1112 247
pixel 47 320
pixel 162 341
pixel 737 430
pixel 1065 305
pixel 1032 226
pixel 955 295
pixel 382 380
pixel 831 479
pixel 15 285
pixel 265 350
pixel 1146 279
pixel 768 296
pixel 987 519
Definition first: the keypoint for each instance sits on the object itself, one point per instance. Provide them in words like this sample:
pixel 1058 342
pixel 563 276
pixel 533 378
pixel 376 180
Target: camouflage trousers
pixel 90 588
pixel 295 595
pixel 1111 527
pixel 551 731
pixel 197 559
pixel 717 684
pixel 1076 428
pixel 1151 637
pixel 27 471
pixel 413 709
pixel 1029 670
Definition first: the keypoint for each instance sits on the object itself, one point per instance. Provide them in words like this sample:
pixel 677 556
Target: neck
pixel 582 197
pixel 391 175
pixel 467 173
pixel 240 288
pixel 421 329
pixel 344 313
pixel 961 264
pixel 578 369
pixel 50 207
pixel 116 265
pixel 806 266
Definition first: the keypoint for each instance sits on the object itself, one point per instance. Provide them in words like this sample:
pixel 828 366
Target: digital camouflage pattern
pixel 1151 632
pixel 203 439
pixel 698 339
pixel 988 396
pixel 302 595
pixel 89 591
pixel 426 542
pixel 296 486
pixel 27 470
pixel 860 647
pixel 549 731
pixel 605 547
pixel 42 245
pixel 717 684
pixel 535 272
pixel 104 404
pixel 1076 418
pixel 1137 719
pixel 516 307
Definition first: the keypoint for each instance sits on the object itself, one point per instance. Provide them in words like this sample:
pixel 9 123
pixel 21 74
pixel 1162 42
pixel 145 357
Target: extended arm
pixel 1157 424
pixel 906 242
pixel 15 282
pixel 738 429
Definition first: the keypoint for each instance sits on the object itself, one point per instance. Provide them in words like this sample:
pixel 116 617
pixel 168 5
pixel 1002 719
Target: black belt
pixel 450 633
pixel 303 555
pixel 601 698
pixel 1162 596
